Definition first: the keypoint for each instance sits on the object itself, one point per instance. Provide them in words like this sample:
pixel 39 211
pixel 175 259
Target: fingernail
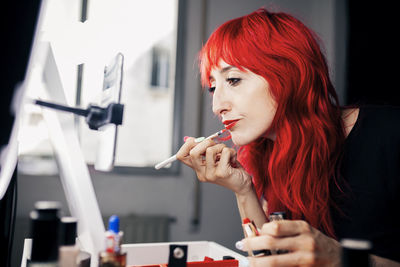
pixel 199 139
pixel 239 245
pixel 185 138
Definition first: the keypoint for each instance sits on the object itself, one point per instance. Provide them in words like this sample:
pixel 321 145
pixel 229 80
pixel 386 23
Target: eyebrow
pixel 223 70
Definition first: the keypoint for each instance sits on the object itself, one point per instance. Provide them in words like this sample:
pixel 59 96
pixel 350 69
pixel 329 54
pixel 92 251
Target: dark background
pixel 373 53
pixel 17 24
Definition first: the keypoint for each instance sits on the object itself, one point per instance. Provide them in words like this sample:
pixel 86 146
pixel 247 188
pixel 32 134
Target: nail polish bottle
pixel 113 256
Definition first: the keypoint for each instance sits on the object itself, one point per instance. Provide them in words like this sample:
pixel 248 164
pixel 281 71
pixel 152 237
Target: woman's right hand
pixel 215 163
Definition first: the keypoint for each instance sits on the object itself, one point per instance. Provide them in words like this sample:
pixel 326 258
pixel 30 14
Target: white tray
pixel 158 253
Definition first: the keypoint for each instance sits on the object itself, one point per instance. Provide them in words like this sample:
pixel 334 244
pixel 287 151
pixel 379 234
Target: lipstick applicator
pixel 173 158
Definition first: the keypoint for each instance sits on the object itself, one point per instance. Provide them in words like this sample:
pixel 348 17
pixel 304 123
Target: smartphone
pixel 111 93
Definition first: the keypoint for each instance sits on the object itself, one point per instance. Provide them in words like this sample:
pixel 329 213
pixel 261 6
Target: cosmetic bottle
pixel 113 256
pixel 44 230
pixel 68 250
pixel 355 252
pixel 277 216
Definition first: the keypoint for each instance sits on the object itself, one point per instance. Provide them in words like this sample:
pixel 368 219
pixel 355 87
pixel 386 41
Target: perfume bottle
pixel 112 256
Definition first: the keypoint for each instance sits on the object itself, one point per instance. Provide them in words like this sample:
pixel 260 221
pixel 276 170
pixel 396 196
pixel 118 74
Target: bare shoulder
pixel 349 117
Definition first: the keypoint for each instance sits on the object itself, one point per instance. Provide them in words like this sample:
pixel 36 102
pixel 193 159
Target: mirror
pixel 86 35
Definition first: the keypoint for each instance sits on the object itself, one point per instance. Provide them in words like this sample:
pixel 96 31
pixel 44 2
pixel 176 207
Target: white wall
pixel 174 195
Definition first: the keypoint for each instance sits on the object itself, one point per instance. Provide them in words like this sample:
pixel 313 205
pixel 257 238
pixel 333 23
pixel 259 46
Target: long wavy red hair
pixel 295 172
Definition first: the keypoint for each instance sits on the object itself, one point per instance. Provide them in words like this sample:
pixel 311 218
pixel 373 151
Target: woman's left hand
pixel 306 245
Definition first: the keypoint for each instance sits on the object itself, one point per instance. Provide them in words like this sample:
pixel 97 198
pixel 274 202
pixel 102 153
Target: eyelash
pixel 231 81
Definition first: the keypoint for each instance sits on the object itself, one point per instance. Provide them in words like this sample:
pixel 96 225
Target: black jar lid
pixel 68 231
pixel 44 229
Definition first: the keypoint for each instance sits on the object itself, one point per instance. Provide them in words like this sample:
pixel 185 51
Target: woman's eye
pixel 233 81
pixel 211 89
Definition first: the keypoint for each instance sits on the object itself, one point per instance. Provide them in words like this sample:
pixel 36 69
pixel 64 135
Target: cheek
pixel 267 112
pixel 267 119
pixel 262 113
pixel 262 121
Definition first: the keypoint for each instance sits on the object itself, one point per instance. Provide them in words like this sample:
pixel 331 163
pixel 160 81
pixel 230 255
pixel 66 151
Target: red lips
pixel 230 123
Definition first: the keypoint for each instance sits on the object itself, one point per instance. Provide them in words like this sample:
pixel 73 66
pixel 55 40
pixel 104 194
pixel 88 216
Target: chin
pixel 242 138
pixel 239 140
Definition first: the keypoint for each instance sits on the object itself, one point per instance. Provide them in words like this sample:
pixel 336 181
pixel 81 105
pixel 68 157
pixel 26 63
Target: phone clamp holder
pixel 96 116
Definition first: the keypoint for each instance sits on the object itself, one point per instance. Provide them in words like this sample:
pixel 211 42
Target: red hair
pixel 295 171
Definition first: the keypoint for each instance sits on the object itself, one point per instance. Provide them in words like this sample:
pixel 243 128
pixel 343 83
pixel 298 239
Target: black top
pixel 370 169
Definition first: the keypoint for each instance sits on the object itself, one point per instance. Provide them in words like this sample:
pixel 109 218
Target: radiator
pixel 144 228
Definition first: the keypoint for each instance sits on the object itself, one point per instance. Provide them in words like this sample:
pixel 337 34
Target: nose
pixel 221 101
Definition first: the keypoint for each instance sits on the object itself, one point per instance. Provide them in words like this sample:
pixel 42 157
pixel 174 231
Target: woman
pixel 297 151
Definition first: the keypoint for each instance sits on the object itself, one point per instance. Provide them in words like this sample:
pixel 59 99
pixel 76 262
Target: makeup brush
pixel 164 163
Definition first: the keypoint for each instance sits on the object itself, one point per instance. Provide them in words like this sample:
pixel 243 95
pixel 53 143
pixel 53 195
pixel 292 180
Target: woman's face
pixel 243 101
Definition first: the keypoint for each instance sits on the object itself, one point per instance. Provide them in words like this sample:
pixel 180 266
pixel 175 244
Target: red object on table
pixel 207 262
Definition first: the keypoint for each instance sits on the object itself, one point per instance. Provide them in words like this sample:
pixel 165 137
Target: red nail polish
pixel 185 138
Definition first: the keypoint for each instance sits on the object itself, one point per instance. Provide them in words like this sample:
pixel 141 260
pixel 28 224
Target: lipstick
pixel 198 140
pixel 250 230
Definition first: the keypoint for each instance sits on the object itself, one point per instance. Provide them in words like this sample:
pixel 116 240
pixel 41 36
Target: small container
pixel 68 251
pixel 355 252
pixel 277 216
pixel 44 230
